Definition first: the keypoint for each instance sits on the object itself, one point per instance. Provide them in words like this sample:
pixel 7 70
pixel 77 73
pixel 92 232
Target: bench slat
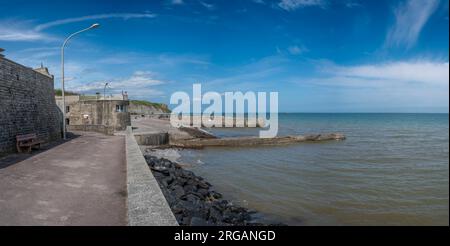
pixel 29 144
pixel 26 137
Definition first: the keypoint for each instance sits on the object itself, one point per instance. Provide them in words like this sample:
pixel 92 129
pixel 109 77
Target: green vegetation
pixel 163 107
pixel 58 92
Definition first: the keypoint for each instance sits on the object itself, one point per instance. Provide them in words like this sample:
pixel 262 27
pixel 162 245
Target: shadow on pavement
pixel 11 159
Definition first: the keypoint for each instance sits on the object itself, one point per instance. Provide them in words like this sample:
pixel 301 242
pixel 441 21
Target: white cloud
pixel 24 31
pixel 39 53
pixel 7 34
pixel 140 84
pixel 165 59
pixel 297 50
pixel 209 6
pixel 20 31
pixel 140 79
pixel 352 4
pixel 425 72
pixel 410 18
pixel 291 50
pixel 402 86
pixel 124 16
pixel 290 5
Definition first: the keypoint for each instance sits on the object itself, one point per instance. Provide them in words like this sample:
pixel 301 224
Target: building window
pixel 120 108
pixel 67 121
pixel 67 109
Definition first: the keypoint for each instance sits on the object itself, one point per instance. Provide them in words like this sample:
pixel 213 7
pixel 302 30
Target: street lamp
pixel 62 72
pixel 104 98
pixel 104 90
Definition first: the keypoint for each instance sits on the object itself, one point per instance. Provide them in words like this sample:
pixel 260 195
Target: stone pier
pixel 253 141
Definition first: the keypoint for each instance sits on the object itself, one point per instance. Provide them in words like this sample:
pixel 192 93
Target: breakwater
pixel 253 141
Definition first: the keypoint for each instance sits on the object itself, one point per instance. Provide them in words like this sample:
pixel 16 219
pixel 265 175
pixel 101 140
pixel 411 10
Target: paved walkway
pixel 80 182
pixel 152 125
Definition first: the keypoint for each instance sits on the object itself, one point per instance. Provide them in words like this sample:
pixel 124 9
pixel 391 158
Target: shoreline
pixel 194 201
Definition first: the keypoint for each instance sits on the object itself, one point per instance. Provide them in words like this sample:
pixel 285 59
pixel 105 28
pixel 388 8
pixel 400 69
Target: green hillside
pixel 58 92
pixel 163 107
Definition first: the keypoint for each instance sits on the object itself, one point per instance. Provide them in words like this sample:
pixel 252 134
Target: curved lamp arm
pixel 76 33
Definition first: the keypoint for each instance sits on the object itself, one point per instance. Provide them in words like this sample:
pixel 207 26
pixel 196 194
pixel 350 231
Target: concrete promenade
pixel 79 182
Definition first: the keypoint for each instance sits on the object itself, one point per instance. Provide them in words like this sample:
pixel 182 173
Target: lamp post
pixel 62 72
pixel 104 90
pixel 104 98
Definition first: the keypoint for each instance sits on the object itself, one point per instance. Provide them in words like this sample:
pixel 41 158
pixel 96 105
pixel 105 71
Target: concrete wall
pixel 98 112
pixel 69 100
pixel 146 203
pixel 107 130
pixel 156 139
pixel 27 105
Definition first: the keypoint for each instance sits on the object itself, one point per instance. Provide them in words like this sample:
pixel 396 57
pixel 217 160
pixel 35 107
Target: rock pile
pixel 193 200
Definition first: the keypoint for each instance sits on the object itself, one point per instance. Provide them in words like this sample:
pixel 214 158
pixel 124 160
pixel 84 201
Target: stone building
pixel 94 113
pixel 27 104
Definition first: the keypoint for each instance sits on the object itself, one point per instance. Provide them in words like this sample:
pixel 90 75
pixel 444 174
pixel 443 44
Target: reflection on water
pixel 393 169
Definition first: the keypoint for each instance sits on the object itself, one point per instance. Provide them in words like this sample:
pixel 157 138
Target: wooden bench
pixel 27 141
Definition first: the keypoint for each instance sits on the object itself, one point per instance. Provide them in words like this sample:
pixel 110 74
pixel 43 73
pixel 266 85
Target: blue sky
pixel 320 55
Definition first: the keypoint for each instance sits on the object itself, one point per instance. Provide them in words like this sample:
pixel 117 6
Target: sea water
pixel 393 169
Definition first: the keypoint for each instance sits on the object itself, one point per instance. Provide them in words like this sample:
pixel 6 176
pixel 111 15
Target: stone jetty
pixel 253 141
pixel 150 131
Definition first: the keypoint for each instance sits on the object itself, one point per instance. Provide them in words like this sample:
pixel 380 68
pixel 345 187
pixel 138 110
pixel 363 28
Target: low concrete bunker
pixel 161 138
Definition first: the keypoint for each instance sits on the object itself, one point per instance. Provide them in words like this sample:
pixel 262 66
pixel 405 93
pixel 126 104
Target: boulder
pixel 192 199
pixel 196 221
pixel 178 191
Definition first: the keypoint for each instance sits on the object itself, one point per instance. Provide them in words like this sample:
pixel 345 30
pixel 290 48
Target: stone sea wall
pixel 146 203
pixel 27 105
